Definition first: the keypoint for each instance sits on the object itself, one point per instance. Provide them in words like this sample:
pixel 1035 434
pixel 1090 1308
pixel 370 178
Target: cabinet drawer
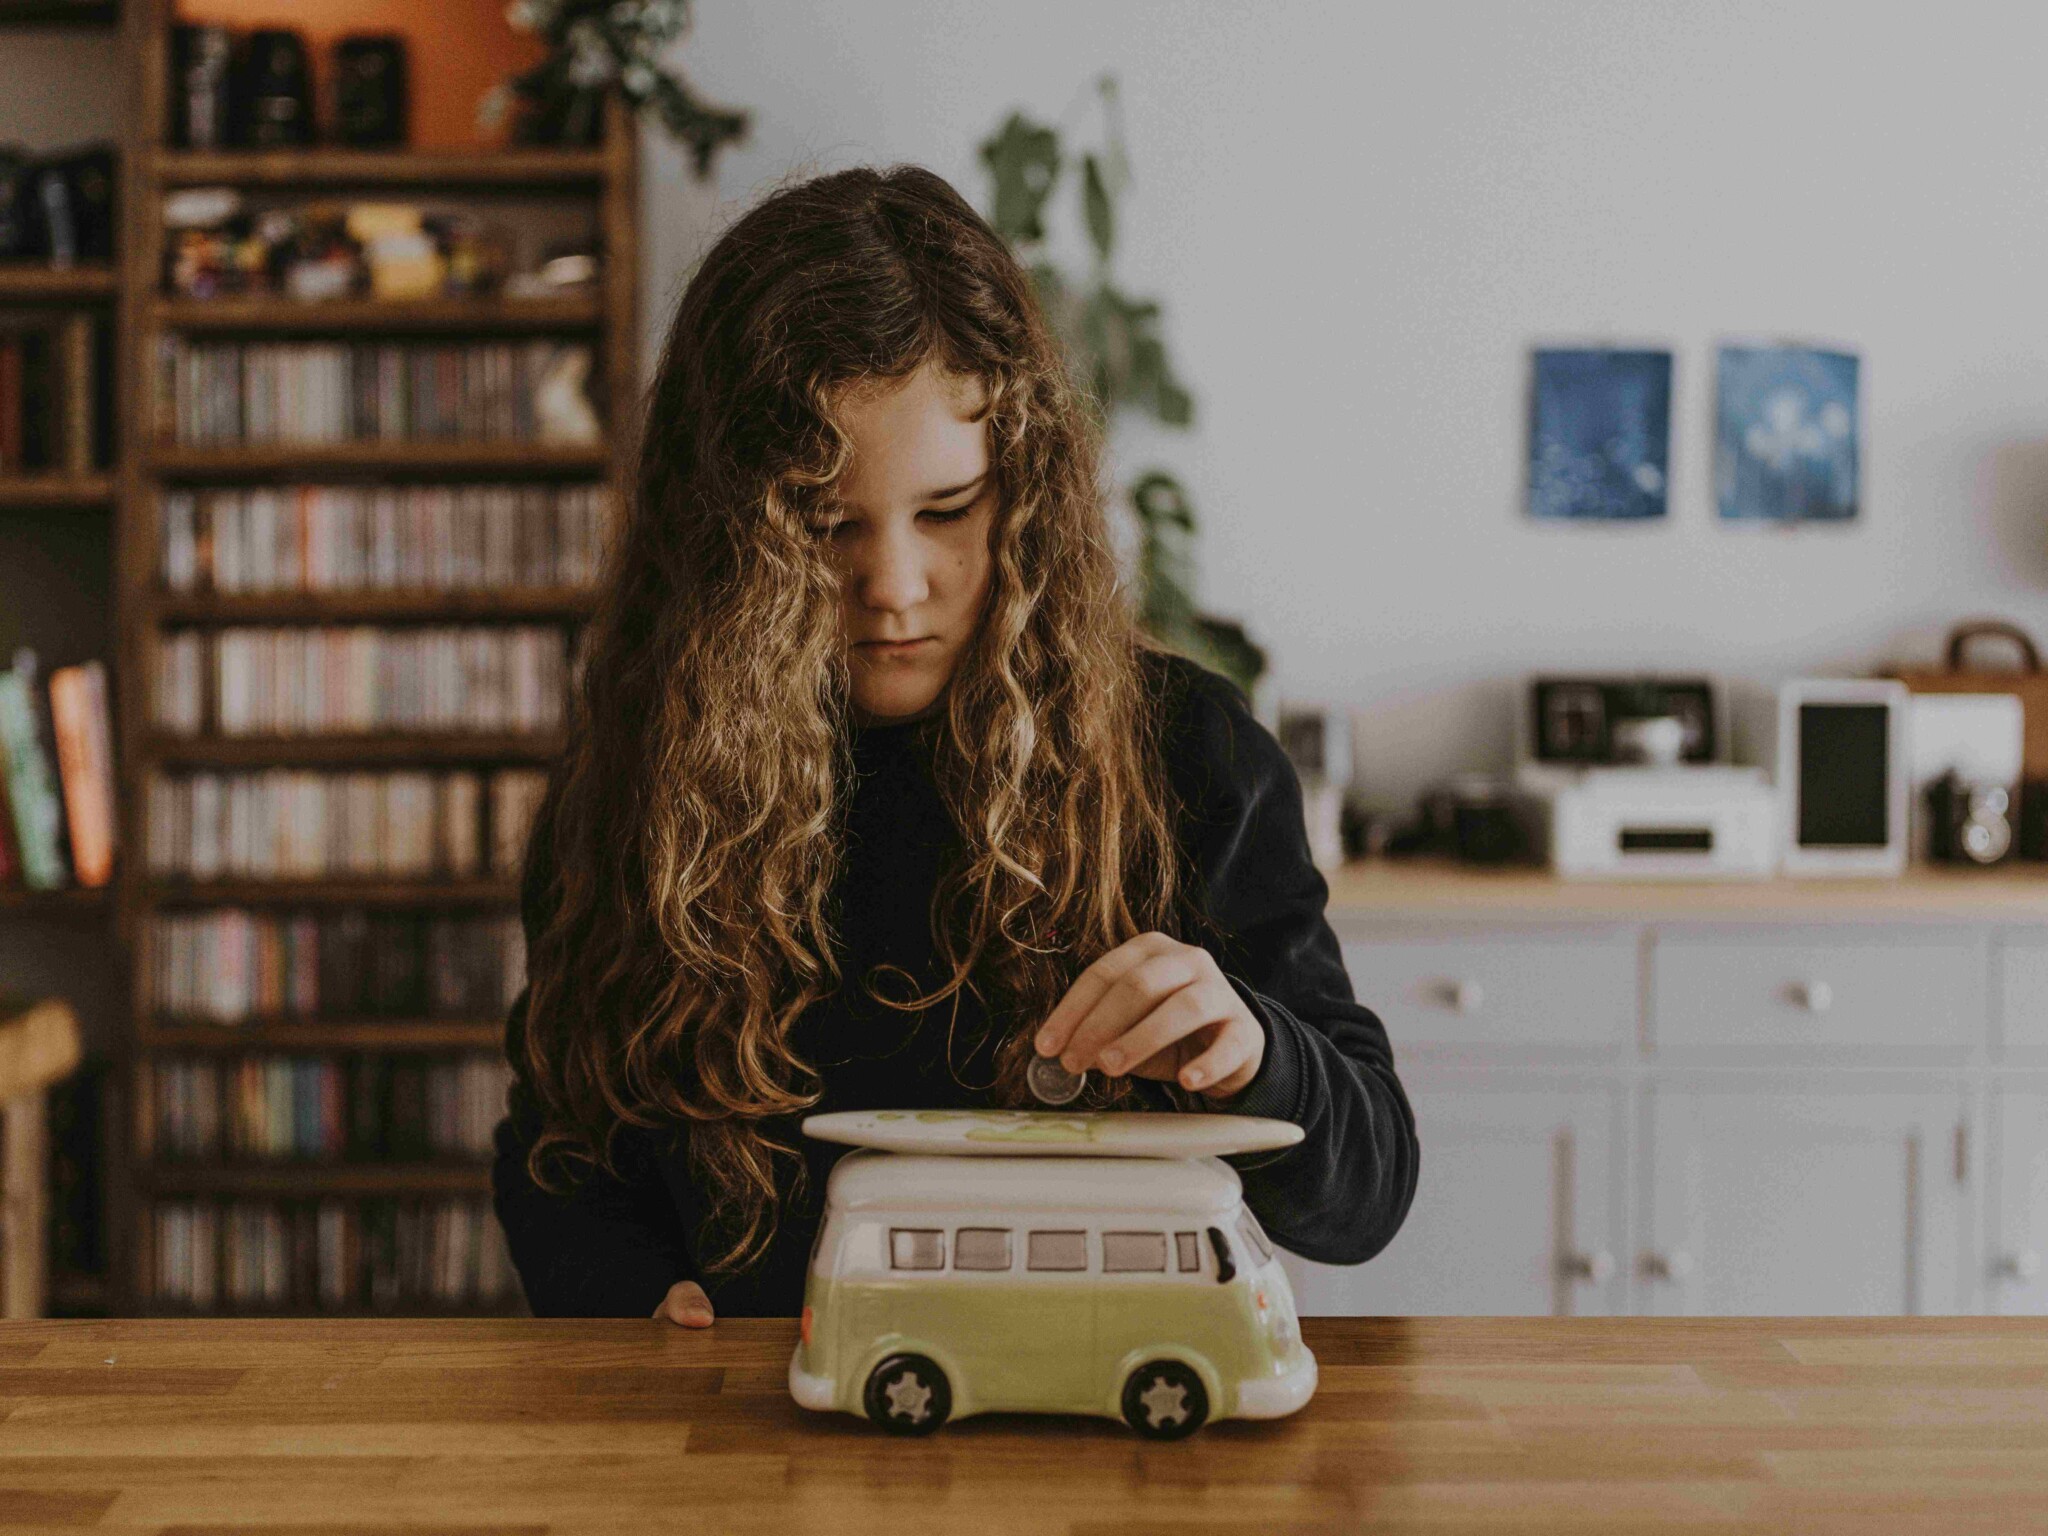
pixel 2023 998
pixel 1903 990
pixel 1558 989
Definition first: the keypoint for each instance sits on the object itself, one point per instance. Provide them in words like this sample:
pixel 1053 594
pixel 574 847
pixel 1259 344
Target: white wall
pixel 1361 215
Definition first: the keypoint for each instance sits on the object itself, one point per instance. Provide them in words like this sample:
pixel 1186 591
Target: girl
pixel 876 792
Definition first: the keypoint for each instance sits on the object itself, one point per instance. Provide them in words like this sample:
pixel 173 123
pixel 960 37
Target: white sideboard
pixel 1811 1097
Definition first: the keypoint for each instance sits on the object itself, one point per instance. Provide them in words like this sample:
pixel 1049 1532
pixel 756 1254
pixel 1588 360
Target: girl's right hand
pixel 686 1304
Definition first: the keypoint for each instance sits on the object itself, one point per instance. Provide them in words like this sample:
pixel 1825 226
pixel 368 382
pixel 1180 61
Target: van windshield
pixel 1248 1232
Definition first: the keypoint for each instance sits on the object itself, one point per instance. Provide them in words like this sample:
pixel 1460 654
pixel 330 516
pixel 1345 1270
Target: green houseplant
pixel 1114 344
pixel 595 46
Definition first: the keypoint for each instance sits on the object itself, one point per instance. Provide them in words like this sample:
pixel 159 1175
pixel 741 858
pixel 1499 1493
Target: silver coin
pixel 1052 1083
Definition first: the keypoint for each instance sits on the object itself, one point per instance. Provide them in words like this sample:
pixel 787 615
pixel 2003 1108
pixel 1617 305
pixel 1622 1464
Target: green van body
pixel 1020 1338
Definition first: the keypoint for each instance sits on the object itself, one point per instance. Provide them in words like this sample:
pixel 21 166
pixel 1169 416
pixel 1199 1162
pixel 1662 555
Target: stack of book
pixel 306 681
pixel 231 392
pixel 384 1255
pixel 288 824
pixel 231 966
pixel 57 821
pixel 321 1108
pixel 330 538
pixel 53 385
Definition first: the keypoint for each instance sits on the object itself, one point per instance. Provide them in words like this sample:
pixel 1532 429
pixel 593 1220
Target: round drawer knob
pixel 1813 996
pixel 1462 996
pixel 2025 1265
pixel 1675 1265
pixel 1595 1268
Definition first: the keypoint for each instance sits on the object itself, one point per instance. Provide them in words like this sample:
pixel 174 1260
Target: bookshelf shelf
pixel 58 13
pixel 71 901
pixel 299 461
pixel 320 751
pixel 351 607
pixel 327 1035
pixel 24 491
pixel 302 1180
pixel 334 893
pixel 475 316
pixel 33 284
pixel 522 169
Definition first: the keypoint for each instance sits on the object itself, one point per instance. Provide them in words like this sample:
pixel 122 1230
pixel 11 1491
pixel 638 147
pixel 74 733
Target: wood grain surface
pixel 1440 889
pixel 465 1427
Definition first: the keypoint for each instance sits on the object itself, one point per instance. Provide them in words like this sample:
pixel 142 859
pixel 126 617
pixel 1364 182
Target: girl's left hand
pixel 1161 1009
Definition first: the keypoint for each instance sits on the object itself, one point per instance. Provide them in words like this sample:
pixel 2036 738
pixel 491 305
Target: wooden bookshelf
pixel 372 605
pixel 409 750
pixel 473 317
pixel 340 891
pixel 70 901
pixel 28 283
pixel 58 13
pixel 522 170
pixel 605 182
pixel 308 1180
pixel 312 461
pixel 268 1034
pixel 21 492
pixel 42 295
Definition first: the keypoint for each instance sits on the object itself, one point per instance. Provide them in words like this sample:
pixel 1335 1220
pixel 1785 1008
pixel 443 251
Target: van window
pixel 1248 1231
pixel 981 1248
pixel 916 1248
pixel 1056 1250
pixel 1187 1249
pixel 1128 1252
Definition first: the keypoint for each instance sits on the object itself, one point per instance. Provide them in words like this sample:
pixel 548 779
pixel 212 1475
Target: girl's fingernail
pixel 1111 1060
pixel 1042 1044
pixel 1194 1076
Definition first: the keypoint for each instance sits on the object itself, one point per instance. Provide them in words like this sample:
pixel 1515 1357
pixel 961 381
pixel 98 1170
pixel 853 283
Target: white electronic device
pixel 1704 821
pixel 1844 763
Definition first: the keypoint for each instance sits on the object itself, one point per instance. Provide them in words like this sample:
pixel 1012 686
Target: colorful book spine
pixel 78 713
pixel 31 792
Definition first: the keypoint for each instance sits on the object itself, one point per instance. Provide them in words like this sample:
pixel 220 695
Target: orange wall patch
pixel 456 50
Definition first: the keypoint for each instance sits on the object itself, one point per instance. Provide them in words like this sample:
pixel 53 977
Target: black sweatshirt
pixel 613 1246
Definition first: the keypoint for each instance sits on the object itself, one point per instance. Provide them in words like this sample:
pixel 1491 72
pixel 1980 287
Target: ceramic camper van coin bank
pixel 977 1261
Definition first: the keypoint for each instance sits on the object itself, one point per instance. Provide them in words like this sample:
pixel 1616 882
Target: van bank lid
pixel 1043 1133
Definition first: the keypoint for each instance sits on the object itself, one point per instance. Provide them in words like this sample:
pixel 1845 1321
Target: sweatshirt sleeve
pixel 1340 1195
pixel 604 1246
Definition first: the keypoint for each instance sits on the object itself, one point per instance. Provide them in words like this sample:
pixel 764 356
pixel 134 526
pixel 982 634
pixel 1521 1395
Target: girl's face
pixel 910 539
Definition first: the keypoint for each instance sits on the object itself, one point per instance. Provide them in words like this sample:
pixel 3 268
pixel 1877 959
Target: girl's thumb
pixel 686 1304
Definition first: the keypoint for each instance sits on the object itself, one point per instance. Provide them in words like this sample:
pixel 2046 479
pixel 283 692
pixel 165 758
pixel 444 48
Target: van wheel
pixel 1165 1400
pixel 908 1395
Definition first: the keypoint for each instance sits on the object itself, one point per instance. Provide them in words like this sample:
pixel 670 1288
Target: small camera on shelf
pixel 1968 823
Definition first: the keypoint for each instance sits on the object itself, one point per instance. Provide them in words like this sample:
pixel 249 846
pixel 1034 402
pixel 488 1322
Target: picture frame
pixel 1844 764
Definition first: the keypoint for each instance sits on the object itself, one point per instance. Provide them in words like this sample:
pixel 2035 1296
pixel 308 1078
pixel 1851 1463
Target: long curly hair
pixel 693 830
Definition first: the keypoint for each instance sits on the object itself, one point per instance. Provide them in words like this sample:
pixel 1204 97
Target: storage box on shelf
pixel 357 557
pixel 1779 1097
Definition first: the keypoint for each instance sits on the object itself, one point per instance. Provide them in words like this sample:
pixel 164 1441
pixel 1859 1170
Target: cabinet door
pixel 1837 1201
pixel 2017 1210
pixel 1517 1209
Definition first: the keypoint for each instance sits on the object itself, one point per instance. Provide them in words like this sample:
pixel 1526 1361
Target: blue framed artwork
pixel 1599 433
pixel 1786 439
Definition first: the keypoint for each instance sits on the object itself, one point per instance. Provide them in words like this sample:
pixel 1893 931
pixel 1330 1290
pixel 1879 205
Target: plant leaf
pixel 1100 210
pixel 1023 159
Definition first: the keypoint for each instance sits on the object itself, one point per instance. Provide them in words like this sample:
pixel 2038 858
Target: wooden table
pixel 467 1427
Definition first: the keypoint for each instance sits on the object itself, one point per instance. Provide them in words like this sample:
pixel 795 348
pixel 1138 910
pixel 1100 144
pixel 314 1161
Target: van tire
pixel 908 1395
pixel 1150 1406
